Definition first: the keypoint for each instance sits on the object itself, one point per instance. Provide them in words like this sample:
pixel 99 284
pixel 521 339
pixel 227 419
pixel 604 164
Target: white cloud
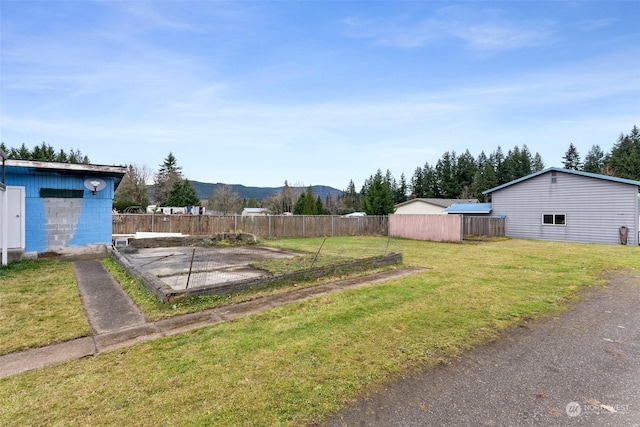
pixel 596 24
pixel 482 29
pixel 503 37
pixel 241 110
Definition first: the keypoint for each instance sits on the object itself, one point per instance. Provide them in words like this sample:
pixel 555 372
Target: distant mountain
pixel 206 189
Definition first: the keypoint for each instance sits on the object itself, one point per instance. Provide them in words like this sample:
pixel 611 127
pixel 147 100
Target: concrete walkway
pixel 117 322
pixel 108 307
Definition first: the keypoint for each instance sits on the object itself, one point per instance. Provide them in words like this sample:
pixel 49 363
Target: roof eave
pixel 569 171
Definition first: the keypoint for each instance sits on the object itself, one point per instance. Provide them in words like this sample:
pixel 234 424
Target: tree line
pixel 465 177
pixel 453 176
pixel 170 187
pixel 623 161
pixel 44 153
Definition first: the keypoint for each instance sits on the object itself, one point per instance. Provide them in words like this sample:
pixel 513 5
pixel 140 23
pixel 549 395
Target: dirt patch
pixel 179 267
pixel 174 273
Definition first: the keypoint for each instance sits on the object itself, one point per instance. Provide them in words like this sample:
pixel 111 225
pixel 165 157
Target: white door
pixel 15 218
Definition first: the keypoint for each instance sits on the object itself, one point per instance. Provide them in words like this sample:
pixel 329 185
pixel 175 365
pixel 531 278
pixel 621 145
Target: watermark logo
pixel 592 406
pixel 573 409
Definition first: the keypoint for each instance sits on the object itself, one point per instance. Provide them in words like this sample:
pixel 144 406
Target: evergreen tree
pixel 400 193
pixel 497 160
pixel 183 194
pixel 424 183
pixel 45 153
pixel 286 198
pixel 448 186
pixel 480 162
pixel 168 174
pixel 537 164
pixel 624 160
pixel 418 187
pixel 526 162
pixel 510 165
pixel 307 204
pixel 431 182
pixel 594 160
pixel 516 164
pixel 465 172
pixel 298 208
pixel 393 184
pixel 484 180
pixel 76 156
pixel 62 157
pixel 319 206
pixel 22 153
pixel 377 195
pixel 251 203
pixel 351 199
pixel 571 159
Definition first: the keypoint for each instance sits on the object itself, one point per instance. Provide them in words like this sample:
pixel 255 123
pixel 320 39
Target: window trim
pixel 554 218
pixel 58 193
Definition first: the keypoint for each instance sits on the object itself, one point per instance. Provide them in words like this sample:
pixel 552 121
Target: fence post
pixel 193 254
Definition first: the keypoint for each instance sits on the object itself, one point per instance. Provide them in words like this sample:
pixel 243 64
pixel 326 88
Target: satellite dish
pixel 94 185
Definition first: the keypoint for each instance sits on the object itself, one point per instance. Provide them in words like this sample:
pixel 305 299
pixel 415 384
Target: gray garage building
pixel 568 205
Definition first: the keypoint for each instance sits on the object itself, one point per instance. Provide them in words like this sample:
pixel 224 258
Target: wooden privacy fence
pixel 444 228
pixel 484 226
pixel 271 226
pixel 434 227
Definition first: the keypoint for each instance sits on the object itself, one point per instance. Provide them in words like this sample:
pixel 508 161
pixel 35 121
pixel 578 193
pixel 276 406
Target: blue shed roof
pixel 570 171
pixel 469 208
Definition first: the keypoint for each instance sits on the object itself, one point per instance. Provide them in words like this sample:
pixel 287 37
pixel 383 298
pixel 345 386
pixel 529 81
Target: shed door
pixel 15 218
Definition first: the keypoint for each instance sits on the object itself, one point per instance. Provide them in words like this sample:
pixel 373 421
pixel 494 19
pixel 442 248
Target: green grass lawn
pixel 297 364
pixel 39 305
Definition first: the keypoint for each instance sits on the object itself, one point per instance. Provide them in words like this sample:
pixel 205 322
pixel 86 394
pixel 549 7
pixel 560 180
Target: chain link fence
pixel 200 268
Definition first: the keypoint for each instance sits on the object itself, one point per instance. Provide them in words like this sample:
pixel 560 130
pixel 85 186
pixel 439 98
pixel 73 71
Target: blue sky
pixel 313 92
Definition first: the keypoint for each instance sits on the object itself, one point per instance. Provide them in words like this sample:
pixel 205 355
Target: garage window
pixel 554 219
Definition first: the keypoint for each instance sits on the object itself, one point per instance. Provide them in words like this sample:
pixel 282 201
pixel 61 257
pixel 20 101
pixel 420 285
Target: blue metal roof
pixel 574 172
pixel 469 208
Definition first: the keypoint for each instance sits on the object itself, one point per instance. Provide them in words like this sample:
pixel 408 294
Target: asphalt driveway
pixel 580 368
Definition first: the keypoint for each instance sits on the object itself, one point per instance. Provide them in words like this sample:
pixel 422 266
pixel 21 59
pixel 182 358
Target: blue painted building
pixel 59 207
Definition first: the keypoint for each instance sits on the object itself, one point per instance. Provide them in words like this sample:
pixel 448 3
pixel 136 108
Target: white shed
pixel 428 206
pixel 255 211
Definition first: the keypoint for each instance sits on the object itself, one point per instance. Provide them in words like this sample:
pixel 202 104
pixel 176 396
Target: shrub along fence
pixel 271 226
